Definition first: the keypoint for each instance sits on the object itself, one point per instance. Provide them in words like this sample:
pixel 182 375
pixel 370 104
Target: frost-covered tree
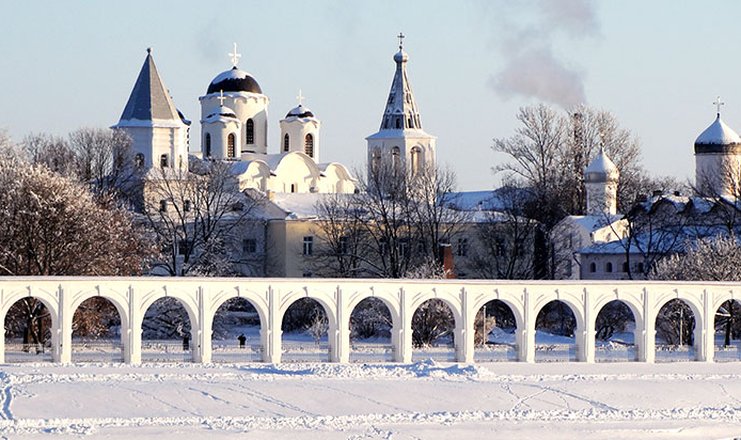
pixel 715 258
pixel 433 319
pixel 51 225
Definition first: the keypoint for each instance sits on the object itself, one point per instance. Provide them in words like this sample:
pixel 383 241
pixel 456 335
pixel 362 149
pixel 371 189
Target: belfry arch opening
pixel 166 332
pixel 433 326
pixel 28 328
pixel 727 336
pixel 96 332
pixel 305 332
pixel 675 332
pixel 614 333
pixel 235 332
pixel 371 327
pixel 495 328
pixel 555 331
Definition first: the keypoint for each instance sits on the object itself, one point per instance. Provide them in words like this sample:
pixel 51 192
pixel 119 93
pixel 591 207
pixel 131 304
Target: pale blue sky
pixel 658 65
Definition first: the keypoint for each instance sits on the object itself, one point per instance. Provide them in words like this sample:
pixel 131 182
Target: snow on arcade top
pixel 718 133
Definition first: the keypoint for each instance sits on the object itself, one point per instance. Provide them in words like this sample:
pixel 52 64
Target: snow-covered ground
pixel 423 400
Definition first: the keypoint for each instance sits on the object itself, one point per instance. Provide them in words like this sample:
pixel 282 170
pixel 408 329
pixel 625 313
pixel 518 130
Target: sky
pixel 658 66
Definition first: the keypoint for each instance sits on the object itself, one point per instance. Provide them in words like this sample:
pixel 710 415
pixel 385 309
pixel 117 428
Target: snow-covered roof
pixel 718 133
pixel 602 166
pixel 150 100
pixel 222 113
pixel 591 223
pixel 302 206
pixel 300 112
pixel 234 80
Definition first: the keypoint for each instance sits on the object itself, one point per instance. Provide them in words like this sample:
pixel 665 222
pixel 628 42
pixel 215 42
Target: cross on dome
pixel 235 56
pixel 718 103
pixel 401 39
pixel 221 98
pixel 300 97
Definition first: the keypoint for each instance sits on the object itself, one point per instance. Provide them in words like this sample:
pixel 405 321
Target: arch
pixel 236 325
pixel 170 338
pixel 286 143
pixel 494 327
pixel 97 331
pixel 561 321
pixel 433 330
pixel 164 161
pixel 249 132
pixel 309 145
pixel 676 327
pixel 139 160
pixel 608 267
pixel 395 157
pixel 727 331
pixel 231 146
pixel 371 323
pixel 28 325
pixel 207 143
pixel 306 323
pixel 616 323
pixel 417 161
pixel 592 267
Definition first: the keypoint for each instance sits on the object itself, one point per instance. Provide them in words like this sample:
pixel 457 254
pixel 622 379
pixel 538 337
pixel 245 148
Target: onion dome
pixel 601 169
pixel 221 113
pixel 234 80
pixel 401 56
pixel 716 136
pixel 300 112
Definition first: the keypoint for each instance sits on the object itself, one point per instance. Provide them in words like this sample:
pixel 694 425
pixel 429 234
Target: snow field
pixel 367 401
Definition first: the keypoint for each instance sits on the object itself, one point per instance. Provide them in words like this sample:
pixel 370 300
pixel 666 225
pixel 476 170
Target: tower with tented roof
pixel 401 139
pixel 159 132
pixel 718 159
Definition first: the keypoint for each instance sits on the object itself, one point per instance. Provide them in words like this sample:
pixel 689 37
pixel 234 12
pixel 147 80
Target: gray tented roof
pixel 149 100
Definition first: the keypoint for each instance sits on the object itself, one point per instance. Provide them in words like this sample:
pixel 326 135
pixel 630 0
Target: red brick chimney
pixel 445 257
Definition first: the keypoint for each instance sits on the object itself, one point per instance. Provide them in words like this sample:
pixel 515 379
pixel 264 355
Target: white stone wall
pixel 201 297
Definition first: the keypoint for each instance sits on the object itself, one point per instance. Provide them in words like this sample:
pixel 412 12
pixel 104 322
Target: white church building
pixel 234 127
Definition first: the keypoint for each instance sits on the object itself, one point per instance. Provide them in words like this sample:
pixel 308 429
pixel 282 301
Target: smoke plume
pixel 531 66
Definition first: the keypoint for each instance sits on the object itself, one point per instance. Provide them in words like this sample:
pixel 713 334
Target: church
pixel 234 128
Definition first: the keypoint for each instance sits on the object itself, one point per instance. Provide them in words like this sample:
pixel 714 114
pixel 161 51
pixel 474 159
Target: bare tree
pixel 194 218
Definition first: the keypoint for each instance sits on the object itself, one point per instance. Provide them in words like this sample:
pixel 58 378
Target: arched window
pixel 249 134
pixel 286 143
pixel 625 266
pixel 293 188
pixel 309 145
pixel 230 146
pixel 398 122
pixel 416 160
pixel 608 267
pixel 164 162
pixel 375 160
pixel 139 160
pixel 592 267
pixel 395 157
pixel 207 141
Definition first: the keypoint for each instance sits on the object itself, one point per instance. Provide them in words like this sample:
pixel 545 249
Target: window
pixel 308 245
pixel 344 246
pixel 286 142
pixel 249 133
pixel 398 122
pixel 231 145
pixel 293 188
pixel 375 160
pixel 139 160
pixel 608 267
pixel 625 266
pixel 404 247
pixel 592 267
pixel 462 249
pixel 309 145
pixel 395 157
pixel 238 206
pixel 249 246
pixel 306 274
pixel 187 205
pixel 640 267
pixel 163 205
pixel 164 162
pixel 184 247
pixel 416 160
pixel 207 141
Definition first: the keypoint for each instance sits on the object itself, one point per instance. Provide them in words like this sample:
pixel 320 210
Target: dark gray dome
pixel 234 80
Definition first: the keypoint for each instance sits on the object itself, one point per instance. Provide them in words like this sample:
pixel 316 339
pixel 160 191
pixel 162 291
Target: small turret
pixel 600 181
